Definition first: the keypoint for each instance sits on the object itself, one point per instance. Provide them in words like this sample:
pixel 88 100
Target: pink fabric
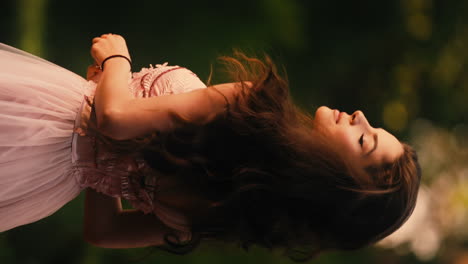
pixel 38 105
pixel 46 158
pixel 120 176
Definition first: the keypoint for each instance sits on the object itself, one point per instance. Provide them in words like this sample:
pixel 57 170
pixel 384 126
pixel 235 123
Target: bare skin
pixel 362 144
pixel 120 116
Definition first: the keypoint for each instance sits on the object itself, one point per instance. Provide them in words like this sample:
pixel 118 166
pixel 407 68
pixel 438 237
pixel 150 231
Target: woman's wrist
pixel 117 57
pixel 224 95
pixel 116 62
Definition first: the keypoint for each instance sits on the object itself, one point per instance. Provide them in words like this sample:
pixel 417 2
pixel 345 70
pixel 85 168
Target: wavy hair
pixel 268 180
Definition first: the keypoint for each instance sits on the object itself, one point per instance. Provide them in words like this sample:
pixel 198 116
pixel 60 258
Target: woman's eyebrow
pixel 376 141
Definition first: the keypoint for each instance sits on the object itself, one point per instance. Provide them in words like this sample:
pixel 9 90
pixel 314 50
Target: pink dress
pixel 47 156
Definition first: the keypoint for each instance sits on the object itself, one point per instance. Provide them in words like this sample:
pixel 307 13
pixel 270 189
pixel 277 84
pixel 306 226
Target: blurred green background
pixel 403 62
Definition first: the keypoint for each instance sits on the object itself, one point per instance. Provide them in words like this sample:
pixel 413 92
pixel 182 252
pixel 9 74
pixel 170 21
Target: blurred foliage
pixel 399 61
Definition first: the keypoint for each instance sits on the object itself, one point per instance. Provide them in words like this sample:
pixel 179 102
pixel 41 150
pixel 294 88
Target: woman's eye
pixel 361 140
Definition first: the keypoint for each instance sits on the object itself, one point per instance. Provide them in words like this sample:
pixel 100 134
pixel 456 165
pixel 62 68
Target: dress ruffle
pixel 123 176
pixel 47 156
pixel 39 102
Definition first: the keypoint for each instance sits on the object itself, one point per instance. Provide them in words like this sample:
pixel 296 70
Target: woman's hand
pixel 108 45
pixel 93 73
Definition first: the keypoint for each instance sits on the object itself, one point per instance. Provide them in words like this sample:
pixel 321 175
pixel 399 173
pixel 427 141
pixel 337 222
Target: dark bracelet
pixel 115 56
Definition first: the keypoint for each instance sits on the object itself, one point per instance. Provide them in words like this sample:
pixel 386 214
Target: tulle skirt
pixel 39 102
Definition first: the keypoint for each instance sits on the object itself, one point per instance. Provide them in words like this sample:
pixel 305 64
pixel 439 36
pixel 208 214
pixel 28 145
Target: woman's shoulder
pixel 163 79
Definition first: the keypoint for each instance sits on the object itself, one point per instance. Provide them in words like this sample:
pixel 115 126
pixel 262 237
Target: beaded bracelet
pixel 115 56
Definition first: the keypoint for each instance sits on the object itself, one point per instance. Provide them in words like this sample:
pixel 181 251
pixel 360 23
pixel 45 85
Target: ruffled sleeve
pixel 164 80
pixel 122 176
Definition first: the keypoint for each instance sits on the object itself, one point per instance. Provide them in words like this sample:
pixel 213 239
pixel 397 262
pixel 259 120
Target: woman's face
pixel 361 144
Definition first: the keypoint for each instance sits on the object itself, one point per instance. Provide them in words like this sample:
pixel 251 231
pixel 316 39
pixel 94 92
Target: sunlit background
pixel 403 62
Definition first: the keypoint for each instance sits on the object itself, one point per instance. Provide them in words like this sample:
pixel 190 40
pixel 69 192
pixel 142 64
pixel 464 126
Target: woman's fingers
pixel 92 72
pixel 107 45
pixel 108 35
pixel 104 36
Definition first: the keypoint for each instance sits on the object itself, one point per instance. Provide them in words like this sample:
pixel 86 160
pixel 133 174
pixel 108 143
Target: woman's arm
pixel 107 225
pixel 140 116
pixel 121 116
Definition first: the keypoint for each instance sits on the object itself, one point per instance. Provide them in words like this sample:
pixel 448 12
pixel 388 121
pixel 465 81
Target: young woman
pixel 235 162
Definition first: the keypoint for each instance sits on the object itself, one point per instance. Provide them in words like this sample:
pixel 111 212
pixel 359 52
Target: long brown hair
pixel 269 181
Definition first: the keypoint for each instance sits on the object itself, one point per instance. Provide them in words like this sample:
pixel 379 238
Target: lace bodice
pixel 119 175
